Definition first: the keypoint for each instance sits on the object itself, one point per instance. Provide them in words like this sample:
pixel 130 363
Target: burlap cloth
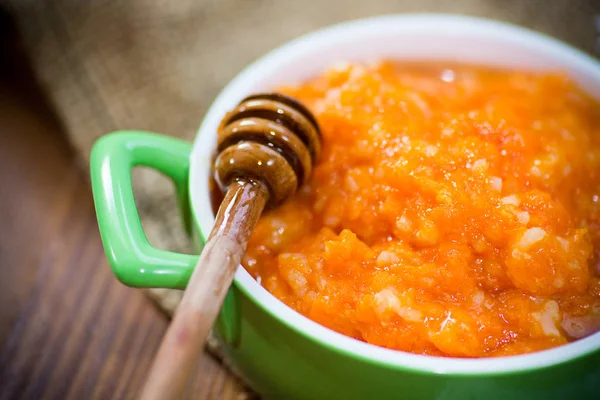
pixel 158 64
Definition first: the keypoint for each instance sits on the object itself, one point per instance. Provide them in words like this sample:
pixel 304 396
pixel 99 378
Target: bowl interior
pixel 403 37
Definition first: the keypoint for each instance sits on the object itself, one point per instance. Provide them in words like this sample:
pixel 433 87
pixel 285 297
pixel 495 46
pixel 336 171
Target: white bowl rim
pixel 202 212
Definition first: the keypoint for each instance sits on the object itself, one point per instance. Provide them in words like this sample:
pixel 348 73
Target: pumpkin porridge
pixel 454 211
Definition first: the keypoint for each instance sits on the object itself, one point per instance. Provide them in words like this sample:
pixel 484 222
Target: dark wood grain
pixel 68 329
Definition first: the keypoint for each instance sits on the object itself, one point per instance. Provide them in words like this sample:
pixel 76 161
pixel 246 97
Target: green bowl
pixel 280 352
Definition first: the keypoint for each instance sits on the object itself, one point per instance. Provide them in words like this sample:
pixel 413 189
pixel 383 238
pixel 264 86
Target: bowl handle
pixel 133 260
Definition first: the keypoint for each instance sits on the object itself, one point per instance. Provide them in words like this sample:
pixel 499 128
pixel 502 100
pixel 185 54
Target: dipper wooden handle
pixel 266 149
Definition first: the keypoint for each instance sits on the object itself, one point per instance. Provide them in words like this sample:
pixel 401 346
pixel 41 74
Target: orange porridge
pixel 454 211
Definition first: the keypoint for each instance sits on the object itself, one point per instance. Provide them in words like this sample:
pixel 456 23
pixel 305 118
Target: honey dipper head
pixel 271 138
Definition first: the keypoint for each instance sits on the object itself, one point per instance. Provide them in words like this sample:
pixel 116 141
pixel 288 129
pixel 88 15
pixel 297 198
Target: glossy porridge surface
pixel 454 211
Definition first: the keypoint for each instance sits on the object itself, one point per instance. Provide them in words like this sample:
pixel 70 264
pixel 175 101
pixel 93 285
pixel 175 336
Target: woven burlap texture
pixel 158 64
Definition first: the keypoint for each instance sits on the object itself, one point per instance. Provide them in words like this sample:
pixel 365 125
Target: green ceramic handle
pixel 134 261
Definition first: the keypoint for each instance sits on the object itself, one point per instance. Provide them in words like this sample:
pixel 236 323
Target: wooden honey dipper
pixel 266 149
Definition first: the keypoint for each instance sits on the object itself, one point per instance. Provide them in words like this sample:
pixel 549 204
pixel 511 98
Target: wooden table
pixel 68 329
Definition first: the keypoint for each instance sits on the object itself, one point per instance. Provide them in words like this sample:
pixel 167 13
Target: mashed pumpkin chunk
pixel 454 211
